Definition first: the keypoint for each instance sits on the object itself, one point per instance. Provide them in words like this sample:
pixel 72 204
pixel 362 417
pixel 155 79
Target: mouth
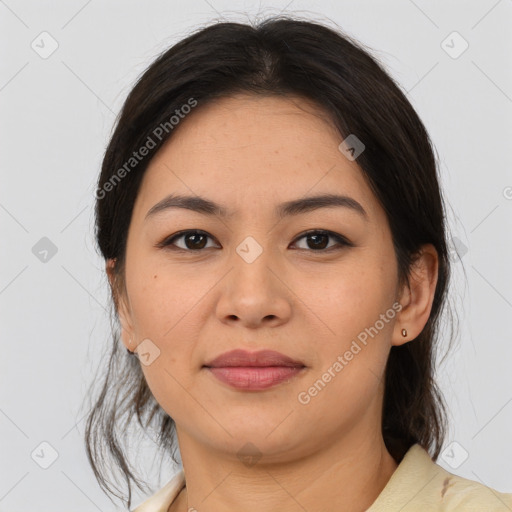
pixel 253 371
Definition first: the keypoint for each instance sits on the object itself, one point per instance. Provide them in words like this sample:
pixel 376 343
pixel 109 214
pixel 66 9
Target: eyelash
pixel 168 243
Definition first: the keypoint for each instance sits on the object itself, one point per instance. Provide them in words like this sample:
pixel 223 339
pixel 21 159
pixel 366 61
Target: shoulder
pixel 420 484
pixel 163 498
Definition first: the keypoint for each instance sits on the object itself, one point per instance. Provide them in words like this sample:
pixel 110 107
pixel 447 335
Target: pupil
pixel 322 236
pixel 195 236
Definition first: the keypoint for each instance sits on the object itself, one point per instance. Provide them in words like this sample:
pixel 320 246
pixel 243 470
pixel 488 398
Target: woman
pixel 273 229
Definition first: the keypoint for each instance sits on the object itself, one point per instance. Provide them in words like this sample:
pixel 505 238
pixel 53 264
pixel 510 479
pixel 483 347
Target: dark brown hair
pixel 280 56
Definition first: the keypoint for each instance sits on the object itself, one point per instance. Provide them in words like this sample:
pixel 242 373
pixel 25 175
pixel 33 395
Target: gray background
pixel 57 114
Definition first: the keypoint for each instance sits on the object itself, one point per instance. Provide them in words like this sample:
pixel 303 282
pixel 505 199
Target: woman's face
pixel 253 280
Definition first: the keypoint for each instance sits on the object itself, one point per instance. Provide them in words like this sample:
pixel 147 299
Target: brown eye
pixel 318 240
pixel 196 240
pixel 193 240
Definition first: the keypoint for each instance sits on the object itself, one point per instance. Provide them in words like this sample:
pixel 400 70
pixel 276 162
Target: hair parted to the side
pixel 288 57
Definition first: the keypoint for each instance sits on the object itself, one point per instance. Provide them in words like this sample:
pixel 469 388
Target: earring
pixel 404 333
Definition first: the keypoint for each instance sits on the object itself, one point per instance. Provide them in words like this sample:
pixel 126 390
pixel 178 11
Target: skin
pixel 250 154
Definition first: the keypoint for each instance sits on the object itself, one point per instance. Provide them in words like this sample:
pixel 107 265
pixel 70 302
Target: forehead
pixel 248 150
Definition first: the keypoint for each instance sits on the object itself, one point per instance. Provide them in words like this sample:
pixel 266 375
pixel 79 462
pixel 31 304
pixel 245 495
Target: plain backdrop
pixel 65 70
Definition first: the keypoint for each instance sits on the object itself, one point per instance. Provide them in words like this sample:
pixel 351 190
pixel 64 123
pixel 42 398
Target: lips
pixel 254 371
pixel 263 358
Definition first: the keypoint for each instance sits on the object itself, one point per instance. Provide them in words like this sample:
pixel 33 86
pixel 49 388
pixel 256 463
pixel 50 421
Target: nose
pixel 254 294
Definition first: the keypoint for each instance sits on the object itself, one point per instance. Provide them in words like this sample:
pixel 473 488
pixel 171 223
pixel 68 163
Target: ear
pixel 122 305
pixel 417 298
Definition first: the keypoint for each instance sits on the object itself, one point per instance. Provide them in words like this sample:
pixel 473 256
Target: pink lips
pixel 253 370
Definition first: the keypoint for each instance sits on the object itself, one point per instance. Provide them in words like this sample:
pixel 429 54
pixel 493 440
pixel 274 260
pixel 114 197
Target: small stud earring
pixel 404 333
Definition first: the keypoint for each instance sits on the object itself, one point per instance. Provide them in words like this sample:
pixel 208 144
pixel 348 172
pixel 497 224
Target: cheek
pixel 163 307
pixel 351 301
pixel 353 340
pixel 161 300
pixel 352 344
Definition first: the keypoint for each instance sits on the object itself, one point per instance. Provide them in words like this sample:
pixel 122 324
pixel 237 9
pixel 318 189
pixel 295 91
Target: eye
pixel 319 240
pixel 195 240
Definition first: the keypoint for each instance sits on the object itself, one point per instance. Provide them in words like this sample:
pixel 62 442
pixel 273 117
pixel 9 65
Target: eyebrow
pixel 295 207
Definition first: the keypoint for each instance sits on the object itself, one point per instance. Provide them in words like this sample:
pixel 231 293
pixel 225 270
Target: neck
pixel 349 473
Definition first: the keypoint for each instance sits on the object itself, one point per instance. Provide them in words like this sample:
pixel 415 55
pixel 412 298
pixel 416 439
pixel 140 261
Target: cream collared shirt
pixel 417 485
